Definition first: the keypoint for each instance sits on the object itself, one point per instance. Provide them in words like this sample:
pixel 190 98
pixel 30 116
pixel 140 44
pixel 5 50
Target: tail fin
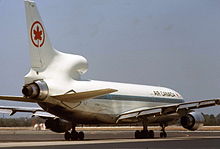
pixel 41 50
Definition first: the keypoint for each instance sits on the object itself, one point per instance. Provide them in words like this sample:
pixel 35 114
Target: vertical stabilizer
pixel 41 50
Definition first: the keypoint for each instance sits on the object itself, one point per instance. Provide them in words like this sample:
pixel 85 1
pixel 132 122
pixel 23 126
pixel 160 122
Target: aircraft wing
pixel 36 111
pixel 165 110
pixel 13 109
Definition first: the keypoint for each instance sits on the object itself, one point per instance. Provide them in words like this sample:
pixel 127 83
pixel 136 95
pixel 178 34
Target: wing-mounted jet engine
pixel 192 121
pixel 58 125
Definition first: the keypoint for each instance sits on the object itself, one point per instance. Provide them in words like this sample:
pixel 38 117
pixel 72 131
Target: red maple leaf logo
pixel 37 34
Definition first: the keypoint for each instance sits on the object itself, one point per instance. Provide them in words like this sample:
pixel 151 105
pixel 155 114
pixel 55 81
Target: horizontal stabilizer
pixel 76 97
pixel 16 98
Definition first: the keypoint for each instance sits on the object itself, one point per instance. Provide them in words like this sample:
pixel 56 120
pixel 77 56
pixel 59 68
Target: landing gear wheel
pixel 144 134
pixel 67 136
pixel 163 134
pixel 137 134
pixel 81 135
pixel 151 134
pixel 74 135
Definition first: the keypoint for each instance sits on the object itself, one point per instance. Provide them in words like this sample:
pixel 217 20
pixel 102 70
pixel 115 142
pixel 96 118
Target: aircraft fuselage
pixel 105 109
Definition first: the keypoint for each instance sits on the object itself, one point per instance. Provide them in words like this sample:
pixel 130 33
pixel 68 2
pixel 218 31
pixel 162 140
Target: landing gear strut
pixel 145 133
pixel 74 135
pixel 163 133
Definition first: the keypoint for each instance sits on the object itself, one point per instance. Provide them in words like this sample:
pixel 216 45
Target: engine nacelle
pixel 192 121
pixel 58 125
pixel 36 90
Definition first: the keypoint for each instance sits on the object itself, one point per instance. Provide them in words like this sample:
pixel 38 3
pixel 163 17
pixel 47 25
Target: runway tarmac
pixel 23 139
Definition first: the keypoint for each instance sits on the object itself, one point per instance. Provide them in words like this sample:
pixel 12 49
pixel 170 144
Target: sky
pixel 172 43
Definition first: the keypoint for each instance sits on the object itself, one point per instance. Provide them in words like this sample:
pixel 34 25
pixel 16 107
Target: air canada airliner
pixel 66 100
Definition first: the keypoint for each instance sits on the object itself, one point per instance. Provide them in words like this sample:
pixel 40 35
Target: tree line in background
pixel 20 122
pixel 210 120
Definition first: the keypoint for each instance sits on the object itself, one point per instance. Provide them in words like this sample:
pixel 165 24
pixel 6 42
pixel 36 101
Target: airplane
pixel 54 82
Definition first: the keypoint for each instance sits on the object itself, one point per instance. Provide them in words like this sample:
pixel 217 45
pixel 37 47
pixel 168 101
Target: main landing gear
pixel 74 135
pixel 145 133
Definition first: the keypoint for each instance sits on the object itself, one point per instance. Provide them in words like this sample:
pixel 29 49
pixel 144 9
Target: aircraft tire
pixel 74 135
pixel 67 136
pixel 163 134
pixel 137 134
pixel 81 135
pixel 151 134
pixel 144 134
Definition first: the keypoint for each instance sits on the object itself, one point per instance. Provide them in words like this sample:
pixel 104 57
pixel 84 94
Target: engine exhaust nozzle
pixel 36 90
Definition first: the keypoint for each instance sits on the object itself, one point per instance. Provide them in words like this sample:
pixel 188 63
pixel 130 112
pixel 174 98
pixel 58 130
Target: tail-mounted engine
pixel 192 121
pixel 36 90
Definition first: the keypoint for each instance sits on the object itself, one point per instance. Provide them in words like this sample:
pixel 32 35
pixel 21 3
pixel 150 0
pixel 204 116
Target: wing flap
pixel 76 97
pixel 5 111
pixel 199 104
pixel 167 109
pixel 151 112
pixel 43 114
